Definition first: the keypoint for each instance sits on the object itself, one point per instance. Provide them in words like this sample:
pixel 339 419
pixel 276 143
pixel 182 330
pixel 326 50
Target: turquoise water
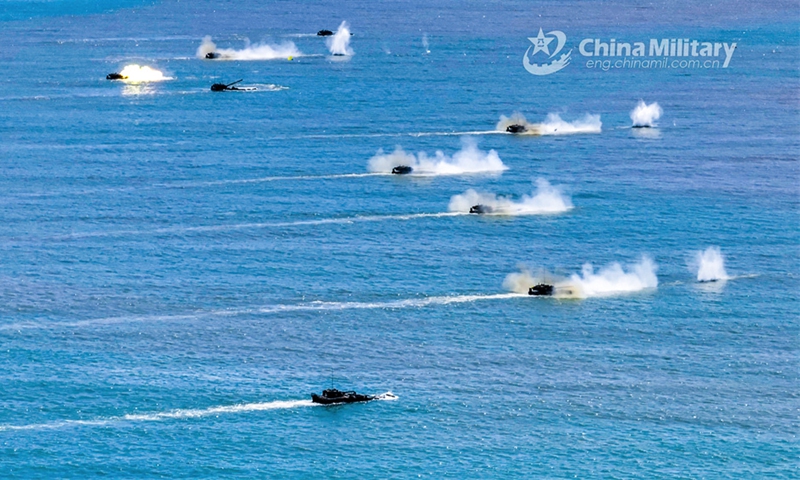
pixel 181 269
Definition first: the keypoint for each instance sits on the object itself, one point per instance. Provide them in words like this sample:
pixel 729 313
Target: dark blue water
pixel 180 269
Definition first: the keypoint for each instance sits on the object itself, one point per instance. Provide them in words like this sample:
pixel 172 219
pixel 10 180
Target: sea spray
pixel 613 279
pixel 646 115
pixel 469 159
pixel 546 199
pixel 425 44
pixel 610 280
pixel 256 51
pixel 142 74
pixel 710 265
pixel 339 43
pixel 516 118
pixel 552 125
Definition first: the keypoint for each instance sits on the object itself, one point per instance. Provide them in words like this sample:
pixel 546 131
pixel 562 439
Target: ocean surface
pixel 180 269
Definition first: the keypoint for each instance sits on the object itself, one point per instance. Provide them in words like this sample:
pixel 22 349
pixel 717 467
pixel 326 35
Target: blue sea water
pixel 180 269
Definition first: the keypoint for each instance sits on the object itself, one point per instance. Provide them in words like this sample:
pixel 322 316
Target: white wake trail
pixel 269 309
pixel 255 225
pixel 171 414
pixel 407 303
pixel 196 184
pixel 226 409
pixel 240 181
pixel 181 413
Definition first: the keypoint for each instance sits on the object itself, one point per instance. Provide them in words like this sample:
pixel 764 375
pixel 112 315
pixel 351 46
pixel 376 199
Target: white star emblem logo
pixel 540 43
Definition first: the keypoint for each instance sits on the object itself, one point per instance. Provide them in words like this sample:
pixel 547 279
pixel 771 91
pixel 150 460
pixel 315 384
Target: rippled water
pixel 182 268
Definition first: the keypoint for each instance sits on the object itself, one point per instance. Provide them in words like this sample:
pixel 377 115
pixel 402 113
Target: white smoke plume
pixel 520 282
pixel 546 199
pixel 467 160
pixel 256 51
pixel 339 43
pixel 645 115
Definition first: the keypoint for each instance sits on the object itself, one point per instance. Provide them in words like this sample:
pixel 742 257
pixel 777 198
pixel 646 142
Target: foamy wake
pixel 395 304
pixel 142 74
pixel 260 87
pixel 645 115
pixel 611 280
pixel 467 160
pixel 171 414
pixel 710 265
pixel 256 225
pixel 199 184
pixel 339 42
pixel 258 51
pixel 419 302
pixel 388 396
pixel 546 199
pixel 237 181
pixel 552 125
pixel 180 414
